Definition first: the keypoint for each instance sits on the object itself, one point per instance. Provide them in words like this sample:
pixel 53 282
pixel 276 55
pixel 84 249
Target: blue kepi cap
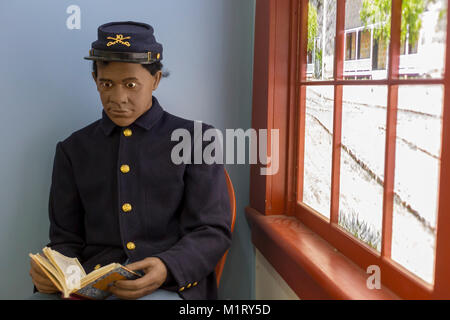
pixel 126 41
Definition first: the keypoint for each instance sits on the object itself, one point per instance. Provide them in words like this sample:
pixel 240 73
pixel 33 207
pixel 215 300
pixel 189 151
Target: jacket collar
pixel 146 121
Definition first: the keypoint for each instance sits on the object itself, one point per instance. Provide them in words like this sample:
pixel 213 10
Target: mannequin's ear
pixel 157 78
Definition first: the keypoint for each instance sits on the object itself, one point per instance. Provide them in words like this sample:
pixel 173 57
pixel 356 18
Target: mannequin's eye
pixel 106 84
pixel 131 85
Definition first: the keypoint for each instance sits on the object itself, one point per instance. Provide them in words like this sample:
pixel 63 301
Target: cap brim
pixel 93 58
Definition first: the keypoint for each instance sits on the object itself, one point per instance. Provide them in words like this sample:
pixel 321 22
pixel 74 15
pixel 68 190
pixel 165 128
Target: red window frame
pixel 279 102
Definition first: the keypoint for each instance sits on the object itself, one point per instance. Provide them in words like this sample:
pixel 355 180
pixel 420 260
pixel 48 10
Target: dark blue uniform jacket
pixel 179 213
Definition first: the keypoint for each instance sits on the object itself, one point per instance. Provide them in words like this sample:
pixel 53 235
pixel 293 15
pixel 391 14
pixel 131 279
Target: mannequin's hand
pixel 155 275
pixel 40 279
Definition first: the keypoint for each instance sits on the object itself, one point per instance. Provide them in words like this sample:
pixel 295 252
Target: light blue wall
pixel 47 93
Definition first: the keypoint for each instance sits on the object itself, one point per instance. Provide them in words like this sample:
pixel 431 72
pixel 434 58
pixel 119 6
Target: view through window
pixel 364 123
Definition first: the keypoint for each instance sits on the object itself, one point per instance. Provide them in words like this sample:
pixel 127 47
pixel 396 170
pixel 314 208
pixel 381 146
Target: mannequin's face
pixel 126 90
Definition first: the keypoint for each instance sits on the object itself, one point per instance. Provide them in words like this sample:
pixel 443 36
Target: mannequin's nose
pixel 119 96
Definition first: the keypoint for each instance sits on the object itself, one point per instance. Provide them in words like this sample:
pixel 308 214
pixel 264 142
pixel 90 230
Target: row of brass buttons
pixel 127 207
pixel 188 286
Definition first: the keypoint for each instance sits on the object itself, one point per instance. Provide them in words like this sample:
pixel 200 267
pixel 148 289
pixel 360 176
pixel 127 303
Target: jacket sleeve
pixel 205 223
pixel 65 208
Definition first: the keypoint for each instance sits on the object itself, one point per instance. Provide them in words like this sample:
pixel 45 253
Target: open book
pixel 69 277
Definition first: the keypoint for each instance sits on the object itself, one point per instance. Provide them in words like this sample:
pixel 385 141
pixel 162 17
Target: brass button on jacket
pixel 131 246
pixel 127 132
pixel 125 168
pixel 127 207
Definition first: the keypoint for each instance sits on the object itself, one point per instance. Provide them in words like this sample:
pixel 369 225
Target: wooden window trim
pixel 279 72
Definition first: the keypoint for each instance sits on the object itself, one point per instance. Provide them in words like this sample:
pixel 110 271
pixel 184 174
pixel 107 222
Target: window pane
pixel 368 20
pixel 364 38
pixel 423 34
pixel 318 148
pixel 350 46
pixel 418 151
pixel 321 35
pixel 362 162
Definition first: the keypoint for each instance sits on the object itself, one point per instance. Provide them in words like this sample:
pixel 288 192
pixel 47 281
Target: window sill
pixel 309 264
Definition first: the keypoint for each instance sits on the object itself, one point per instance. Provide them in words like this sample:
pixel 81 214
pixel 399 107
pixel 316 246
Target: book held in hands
pixel 71 280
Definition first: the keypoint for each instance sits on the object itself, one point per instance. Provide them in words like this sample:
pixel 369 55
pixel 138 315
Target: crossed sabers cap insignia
pixel 118 39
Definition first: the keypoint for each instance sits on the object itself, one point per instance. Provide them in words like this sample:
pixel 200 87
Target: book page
pixel 65 264
pixel 94 275
pixel 69 268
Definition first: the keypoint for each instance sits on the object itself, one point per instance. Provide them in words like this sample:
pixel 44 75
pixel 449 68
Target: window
pixel 379 53
pixel 369 154
pixel 350 46
pixel 322 31
pixel 318 145
pixel 364 43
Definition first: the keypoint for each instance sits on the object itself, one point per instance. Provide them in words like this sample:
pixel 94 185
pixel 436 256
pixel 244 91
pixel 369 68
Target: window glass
pixel 321 30
pixel 367 27
pixel 423 36
pixel 417 163
pixel 318 148
pixel 362 162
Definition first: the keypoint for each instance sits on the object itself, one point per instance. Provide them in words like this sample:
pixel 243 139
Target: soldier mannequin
pixel 190 202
